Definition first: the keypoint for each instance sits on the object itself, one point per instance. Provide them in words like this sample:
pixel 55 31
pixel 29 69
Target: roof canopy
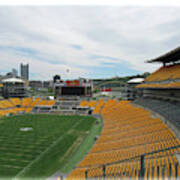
pixel 136 80
pixel 171 56
pixel 12 80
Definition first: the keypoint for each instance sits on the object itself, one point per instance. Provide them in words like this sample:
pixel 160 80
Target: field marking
pixel 74 145
pixel 11 166
pixel 74 156
pixel 45 151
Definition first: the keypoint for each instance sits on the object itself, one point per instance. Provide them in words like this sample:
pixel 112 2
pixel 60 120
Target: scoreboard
pixel 80 87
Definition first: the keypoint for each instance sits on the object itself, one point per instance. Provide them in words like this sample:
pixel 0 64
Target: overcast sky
pixel 89 41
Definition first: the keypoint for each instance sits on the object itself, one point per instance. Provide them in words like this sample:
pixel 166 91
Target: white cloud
pixel 43 36
pixel 92 2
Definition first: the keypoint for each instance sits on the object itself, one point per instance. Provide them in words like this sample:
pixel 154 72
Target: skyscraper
pixel 24 71
pixel 14 72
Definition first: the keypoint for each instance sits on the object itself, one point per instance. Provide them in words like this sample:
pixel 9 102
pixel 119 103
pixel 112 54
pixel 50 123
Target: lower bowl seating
pixel 129 135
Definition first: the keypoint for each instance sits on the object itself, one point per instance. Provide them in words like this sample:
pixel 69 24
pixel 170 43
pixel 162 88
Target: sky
pixel 86 41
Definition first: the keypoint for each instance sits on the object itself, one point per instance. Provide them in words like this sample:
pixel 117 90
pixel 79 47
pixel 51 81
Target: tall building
pixel 24 71
pixel 14 72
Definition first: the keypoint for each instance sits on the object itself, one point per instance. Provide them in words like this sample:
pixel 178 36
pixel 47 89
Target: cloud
pixel 76 46
pixel 86 39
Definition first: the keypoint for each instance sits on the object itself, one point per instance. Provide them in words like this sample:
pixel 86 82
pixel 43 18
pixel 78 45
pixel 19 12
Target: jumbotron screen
pixel 78 91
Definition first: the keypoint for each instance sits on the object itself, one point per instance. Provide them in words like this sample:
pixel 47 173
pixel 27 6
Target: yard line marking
pixel 45 151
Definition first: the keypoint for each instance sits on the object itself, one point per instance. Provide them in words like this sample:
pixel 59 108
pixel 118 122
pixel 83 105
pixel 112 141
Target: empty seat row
pixel 165 73
pixel 16 105
pixel 130 132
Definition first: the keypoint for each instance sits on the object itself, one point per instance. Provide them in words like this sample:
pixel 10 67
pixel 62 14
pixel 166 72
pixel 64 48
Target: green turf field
pixel 45 149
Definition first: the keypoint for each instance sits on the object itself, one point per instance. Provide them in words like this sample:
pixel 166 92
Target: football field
pixel 39 145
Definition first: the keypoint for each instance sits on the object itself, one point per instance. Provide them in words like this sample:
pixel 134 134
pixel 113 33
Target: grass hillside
pixel 46 148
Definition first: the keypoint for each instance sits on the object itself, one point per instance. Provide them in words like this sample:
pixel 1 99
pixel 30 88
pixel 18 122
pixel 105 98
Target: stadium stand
pixel 92 104
pixel 161 90
pixel 130 133
pixel 84 103
pixel 36 101
pixel 46 102
pixel 169 110
pixel 42 103
pixel 17 105
pixel 164 85
pixel 15 101
pixel 167 76
pixel 5 104
pixel 51 102
pixel 165 73
pixel 135 143
pixel 88 103
pixel 44 106
pixel 33 104
pixel 26 102
pixel 98 107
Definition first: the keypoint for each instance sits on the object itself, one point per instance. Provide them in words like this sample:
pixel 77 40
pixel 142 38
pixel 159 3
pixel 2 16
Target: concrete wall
pixel 170 125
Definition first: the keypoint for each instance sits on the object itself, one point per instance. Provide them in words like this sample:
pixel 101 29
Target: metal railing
pixel 140 158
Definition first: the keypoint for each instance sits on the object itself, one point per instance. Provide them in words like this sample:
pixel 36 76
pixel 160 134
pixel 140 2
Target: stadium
pixel 77 137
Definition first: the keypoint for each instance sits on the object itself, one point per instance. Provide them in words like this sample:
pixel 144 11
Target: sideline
pixel 93 132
